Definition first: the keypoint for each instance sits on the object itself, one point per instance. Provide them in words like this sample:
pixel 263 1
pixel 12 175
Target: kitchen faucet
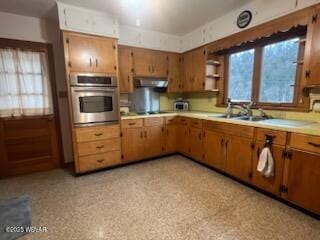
pixel 244 108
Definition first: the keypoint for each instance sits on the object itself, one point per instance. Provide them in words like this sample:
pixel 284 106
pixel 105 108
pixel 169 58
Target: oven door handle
pixel 95 90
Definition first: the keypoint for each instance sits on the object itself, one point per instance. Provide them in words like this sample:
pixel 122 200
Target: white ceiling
pixel 169 16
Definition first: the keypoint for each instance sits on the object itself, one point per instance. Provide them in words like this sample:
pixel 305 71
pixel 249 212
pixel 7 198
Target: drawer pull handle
pixel 99 147
pixel 314 144
pixel 100 160
pixel 132 123
pixel 98 134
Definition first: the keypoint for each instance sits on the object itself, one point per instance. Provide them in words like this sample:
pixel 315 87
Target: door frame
pixel 48 49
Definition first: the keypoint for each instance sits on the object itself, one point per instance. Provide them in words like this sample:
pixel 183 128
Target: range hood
pixel 151 82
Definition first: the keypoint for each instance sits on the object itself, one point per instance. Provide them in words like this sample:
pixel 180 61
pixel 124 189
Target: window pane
pixel 240 75
pixel 279 71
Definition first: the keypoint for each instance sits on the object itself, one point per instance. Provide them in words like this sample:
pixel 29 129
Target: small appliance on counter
pixel 181 105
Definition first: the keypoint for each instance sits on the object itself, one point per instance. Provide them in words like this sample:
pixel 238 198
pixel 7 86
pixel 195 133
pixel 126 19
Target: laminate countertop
pixel 311 129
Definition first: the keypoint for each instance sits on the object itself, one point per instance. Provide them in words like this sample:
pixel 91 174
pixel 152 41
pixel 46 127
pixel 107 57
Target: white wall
pixel 34 29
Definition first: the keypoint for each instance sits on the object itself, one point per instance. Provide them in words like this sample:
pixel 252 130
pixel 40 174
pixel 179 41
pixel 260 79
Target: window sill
pixel 275 108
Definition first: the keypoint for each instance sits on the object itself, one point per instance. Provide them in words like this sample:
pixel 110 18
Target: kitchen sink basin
pixel 252 119
pixel 228 116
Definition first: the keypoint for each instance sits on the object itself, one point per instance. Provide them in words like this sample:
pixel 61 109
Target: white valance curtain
pixel 24 83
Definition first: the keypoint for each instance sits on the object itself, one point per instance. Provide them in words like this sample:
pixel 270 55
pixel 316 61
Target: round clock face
pixel 244 19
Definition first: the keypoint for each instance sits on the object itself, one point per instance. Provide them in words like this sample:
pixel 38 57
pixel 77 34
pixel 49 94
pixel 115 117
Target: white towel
pixel 266 163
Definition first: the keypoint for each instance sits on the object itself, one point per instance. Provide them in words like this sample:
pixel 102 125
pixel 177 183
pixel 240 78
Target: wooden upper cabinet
pixel 91 54
pixel 303 180
pixel 313 38
pixel 198 69
pixel 125 69
pixel 159 64
pixel 149 63
pixel 104 53
pixel 174 72
pixel 194 63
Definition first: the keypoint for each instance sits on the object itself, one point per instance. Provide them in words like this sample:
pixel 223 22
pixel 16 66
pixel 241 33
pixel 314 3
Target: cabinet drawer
pixel 278 137
pixel 95 147
pixel 305 142
pixel 96 133
pixel 153 121
pixel 97 161
pixel 171 120
pixel 197 123
pixel 183 121
pixel 132 123
pixel 231 129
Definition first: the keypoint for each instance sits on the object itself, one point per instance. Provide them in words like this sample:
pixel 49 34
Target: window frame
pixel 257 77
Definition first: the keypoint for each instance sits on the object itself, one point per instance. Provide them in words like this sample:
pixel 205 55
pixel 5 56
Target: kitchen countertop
pixel 312 129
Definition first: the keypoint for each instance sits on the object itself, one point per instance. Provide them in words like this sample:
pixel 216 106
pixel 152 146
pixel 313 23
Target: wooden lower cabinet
pixel 302 180
pixel 132 144
pixel 183 139
pixel 271 184
pixel 97 161
pixel 195 144
pixel 239 154
pixel 171 139
pixel 154 141
pixel 214 150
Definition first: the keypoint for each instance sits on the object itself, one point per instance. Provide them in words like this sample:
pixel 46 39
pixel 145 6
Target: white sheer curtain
pixel 24 83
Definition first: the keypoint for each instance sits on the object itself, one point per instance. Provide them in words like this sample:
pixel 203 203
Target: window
pixel 24 83
pixel 241 66
pixel 278 74
pixel 267 73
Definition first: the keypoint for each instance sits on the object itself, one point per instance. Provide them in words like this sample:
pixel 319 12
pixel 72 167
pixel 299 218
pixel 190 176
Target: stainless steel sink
pixel 228 116
pixel 252 118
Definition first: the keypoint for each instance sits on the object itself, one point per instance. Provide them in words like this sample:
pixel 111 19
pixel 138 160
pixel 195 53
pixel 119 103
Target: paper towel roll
pixel 316 106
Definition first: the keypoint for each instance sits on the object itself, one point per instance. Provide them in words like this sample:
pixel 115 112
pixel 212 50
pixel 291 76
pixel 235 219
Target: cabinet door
pixel 174 73
pixel 125 69
pixel 239 155
pixel 195 144
pixel 77 19
pixel 271 184
pixel 314 51
pixel 154 141
pixel 142 61
pixel 303 180
pixel 104 55
pixel 198 69
pixel 171 139
pixel 214 150
pixel 187 72
pixel 79 51
pixel 132 152
pixel 182 139
pixel 159 66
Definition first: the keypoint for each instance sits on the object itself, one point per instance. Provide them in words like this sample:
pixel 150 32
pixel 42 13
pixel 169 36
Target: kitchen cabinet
pixel 313 50
pixel 142 138
pixel 171 139
pixel 154 141
pixel 239 154
pixel 96 147
pixel 183 136
pixel 91 54
pixel 195 144
pixel 150 63
pixel 194 63
pixel 214 150
pixel 302 182
pixel 87 21
pixel 132 144
pixel 271 184
pixel 125 69
pixel 174 73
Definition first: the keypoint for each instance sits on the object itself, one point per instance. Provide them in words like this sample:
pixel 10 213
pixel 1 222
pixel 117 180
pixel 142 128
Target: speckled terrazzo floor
pixel 168 198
